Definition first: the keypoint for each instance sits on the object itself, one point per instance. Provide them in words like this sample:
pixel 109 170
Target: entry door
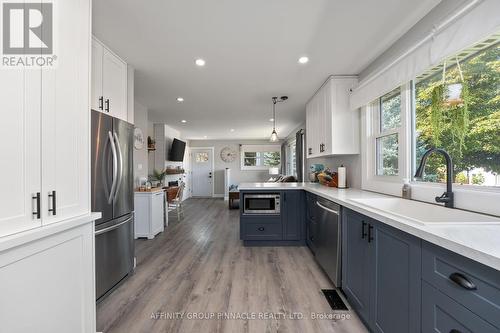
pixel 202 168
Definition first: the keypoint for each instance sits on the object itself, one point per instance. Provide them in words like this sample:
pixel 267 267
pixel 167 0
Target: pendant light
pixel 274 134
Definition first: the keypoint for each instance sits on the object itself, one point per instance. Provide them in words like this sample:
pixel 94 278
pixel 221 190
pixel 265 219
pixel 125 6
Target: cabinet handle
pixel 310 151
pixel 462 281
pixel 455 331
pixel 363 231
pixel 36 213
pixel 261 229
pixel 107 105
pixel 101 103
pixel 52 195
pixel 370 237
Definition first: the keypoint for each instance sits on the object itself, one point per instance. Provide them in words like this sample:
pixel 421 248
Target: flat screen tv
pixel 177 151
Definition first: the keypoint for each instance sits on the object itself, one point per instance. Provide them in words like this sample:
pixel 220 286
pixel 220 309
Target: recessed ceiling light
pixel 272 119
pixel 200 62
pixel 303 60
pixel 180 99
pixel 205 137
pixel 232 129
pixel 184 121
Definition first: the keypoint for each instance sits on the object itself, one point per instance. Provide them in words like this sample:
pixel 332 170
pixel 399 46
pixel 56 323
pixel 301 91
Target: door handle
pixel 116 226
pixel 363 231
pixel 107 105
pixel 462 281
pixel 115 171
pixel 327 209
pixel 120 165
pixel 52 195
pixel 370 237
pixel 36 213
pixel 101 103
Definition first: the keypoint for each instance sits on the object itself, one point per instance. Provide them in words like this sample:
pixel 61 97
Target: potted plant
pixel 157 177
pixel 449 105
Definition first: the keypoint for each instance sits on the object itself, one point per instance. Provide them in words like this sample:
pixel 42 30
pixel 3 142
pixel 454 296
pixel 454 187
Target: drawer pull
pixel 462 281
pixel 261 229
pixel 455 331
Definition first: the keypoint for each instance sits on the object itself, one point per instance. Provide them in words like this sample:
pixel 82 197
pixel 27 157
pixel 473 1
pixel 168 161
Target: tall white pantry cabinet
pixel 46 227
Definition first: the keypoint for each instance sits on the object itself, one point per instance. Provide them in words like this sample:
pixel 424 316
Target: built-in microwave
pixel 261 203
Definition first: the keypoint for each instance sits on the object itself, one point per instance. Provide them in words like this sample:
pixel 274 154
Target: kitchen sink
pixel 424 213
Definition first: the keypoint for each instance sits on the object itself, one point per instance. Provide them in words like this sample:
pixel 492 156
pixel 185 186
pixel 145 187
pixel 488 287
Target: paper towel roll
pixel 342 176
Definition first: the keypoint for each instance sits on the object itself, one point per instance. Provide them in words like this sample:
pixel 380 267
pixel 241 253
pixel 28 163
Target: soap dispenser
pixel 406 190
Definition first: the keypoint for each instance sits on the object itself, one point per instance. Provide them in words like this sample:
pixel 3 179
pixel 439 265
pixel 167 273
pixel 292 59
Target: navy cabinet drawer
pixel 262 231
pixel 440 313
pixel 450 273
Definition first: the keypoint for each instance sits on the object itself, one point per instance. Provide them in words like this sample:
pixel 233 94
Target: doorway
pixel 202 168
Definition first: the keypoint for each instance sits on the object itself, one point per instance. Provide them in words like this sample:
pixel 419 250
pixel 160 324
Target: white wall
pixel 351 162
pixel 237 175
pixel 141 156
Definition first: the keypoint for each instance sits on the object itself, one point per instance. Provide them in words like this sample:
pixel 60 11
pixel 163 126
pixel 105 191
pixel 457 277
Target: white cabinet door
pixel 97 101
pixel 52 279
pixel 309 129
pixel 114 78
pixel 66 117
pixel 329 96
pixel 20 160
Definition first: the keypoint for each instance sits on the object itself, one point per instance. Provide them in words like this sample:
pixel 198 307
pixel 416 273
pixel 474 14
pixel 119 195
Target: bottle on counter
pixel 406 190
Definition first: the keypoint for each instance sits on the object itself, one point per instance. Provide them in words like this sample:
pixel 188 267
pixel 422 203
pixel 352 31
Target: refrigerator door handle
pixel 113 227
pixel 120 164
pixel 115 171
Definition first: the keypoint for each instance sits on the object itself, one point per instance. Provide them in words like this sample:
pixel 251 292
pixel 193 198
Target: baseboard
pixel 218 196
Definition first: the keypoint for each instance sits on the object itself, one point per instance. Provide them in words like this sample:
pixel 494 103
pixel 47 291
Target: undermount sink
pixel 424 213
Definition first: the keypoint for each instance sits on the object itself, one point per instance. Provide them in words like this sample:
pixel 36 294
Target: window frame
pixel 371 131
pixel 258 149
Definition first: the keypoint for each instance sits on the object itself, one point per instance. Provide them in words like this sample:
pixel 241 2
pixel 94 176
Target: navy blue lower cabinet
pixel 293 215
pixel 441 313
pixel 396 282
pixel 356 262
pixel 381 274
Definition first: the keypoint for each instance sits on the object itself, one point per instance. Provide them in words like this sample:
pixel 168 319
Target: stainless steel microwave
pixel 261 204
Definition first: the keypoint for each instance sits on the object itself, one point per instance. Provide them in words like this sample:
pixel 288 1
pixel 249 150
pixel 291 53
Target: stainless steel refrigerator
pixel 113 196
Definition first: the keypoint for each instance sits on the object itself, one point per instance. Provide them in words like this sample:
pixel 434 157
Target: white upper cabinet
pixel 332 128
pixel 109 81
pixel 20 161
pixel 65 118
pixel 45 125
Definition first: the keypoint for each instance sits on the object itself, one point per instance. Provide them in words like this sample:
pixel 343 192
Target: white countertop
pixel 11 241
pixel 479 242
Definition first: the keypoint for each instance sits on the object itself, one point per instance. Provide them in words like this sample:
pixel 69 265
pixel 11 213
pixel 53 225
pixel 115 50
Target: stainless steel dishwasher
pixel 327 240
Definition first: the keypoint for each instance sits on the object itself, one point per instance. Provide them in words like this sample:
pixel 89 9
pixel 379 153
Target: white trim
pixel 213 168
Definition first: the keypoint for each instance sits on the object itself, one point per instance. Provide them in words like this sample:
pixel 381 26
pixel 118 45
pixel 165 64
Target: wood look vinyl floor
pixel 198 268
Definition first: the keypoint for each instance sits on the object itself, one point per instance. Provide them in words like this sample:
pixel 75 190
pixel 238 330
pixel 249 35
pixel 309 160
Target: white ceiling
pixel 251 48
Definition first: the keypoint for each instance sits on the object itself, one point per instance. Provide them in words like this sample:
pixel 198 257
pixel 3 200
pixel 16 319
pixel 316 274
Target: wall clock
pixel 138 138
pixel 228 154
